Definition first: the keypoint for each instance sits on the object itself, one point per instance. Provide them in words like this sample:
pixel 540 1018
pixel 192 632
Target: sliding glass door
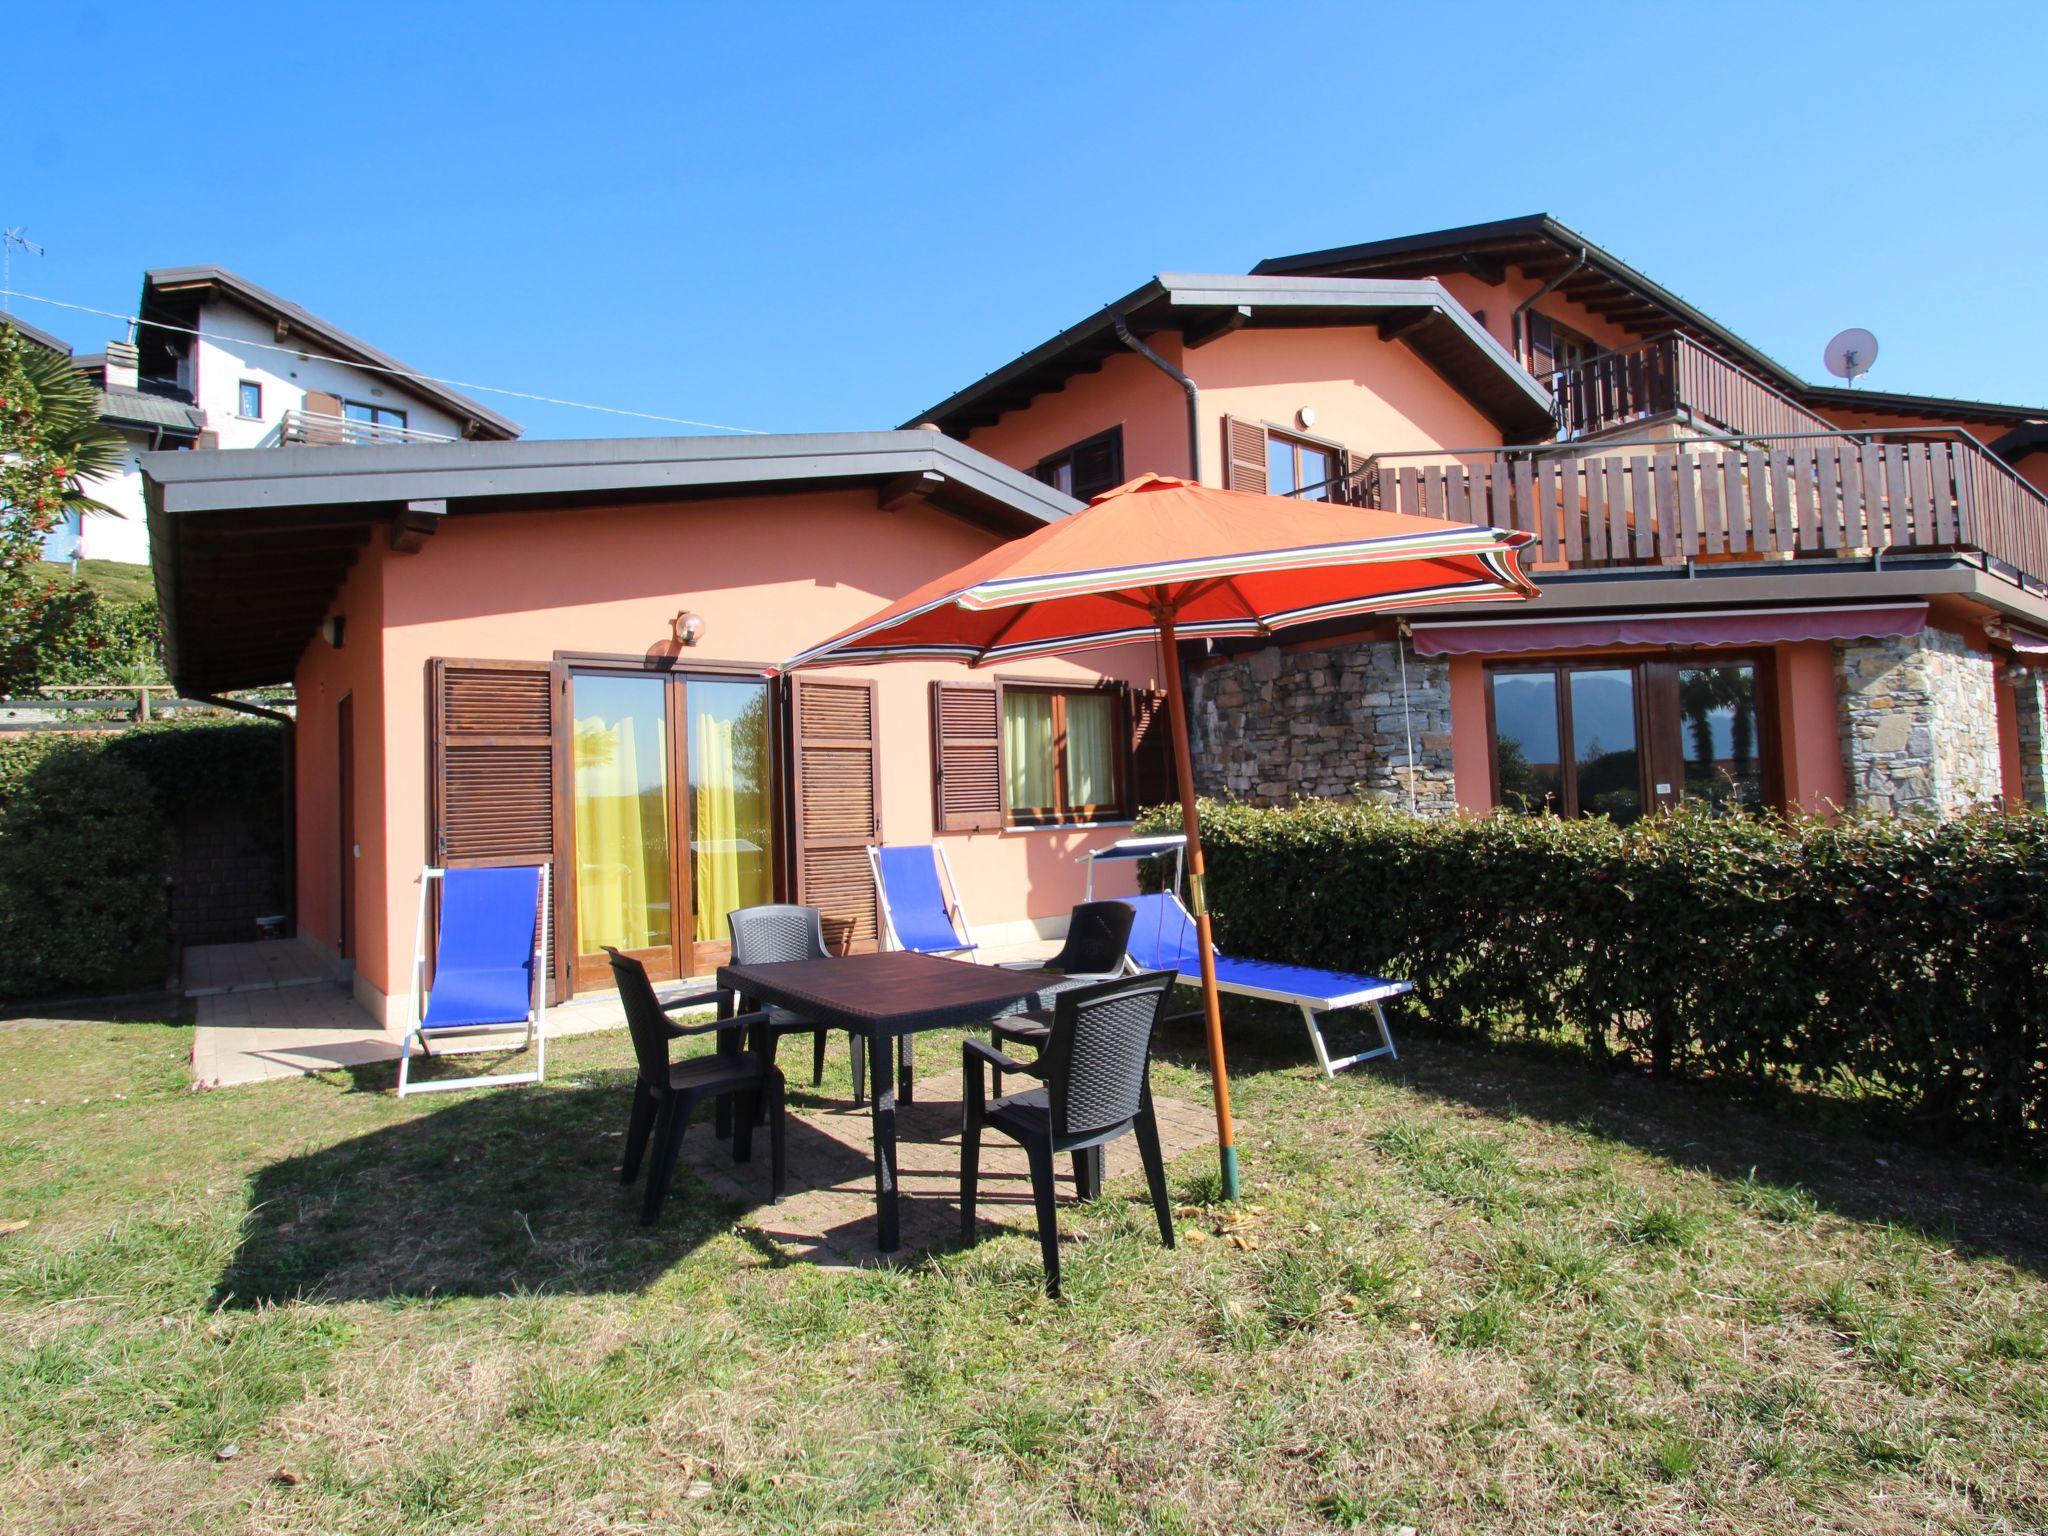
pixel 672 789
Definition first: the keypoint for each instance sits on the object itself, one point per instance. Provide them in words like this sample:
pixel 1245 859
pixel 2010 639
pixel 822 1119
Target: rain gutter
pixel 1125 335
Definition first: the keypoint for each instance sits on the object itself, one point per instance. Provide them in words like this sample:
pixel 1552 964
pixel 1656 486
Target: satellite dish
pixel 1851 353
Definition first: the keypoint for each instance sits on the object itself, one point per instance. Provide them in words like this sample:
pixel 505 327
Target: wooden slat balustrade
pixel 1658 504
pixel 1664 376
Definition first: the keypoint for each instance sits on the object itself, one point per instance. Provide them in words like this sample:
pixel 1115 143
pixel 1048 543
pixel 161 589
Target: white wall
pixel 126 537
pixel 220 367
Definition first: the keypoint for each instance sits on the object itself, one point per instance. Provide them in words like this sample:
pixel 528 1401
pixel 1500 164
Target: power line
pixel 399 373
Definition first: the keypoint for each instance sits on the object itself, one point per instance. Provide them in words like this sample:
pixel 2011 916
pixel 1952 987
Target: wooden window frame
pixel 1048 467
pixel 1296 440
pixel 1063 814
pixel 1660 748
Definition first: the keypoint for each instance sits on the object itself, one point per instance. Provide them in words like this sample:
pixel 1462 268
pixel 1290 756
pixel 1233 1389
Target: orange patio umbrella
pixel 1166 559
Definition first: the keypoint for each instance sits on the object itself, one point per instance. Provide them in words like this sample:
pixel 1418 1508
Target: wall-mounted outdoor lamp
pixel 688 628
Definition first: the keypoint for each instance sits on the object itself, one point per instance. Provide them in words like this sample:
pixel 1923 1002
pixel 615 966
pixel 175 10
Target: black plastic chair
pixel 1098 933
pixel 668 1091
pixel 1097 1084
pixel 770 934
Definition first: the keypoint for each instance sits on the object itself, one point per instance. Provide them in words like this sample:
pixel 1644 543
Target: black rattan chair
pixel 1096 1081
pixel 1098 933
pixel 667 1091
pixel 770 934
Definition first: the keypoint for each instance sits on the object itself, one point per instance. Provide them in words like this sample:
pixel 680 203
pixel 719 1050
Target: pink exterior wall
pixel 769 575
pixel 1372 396
pixel 1127 392
pixel 1497 302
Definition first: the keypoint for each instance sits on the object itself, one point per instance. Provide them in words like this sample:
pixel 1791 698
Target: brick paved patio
pixel 829 1214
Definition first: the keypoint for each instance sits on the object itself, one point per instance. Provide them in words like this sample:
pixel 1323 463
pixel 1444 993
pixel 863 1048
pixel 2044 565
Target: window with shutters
pixel 1263 458
pixel 1087 468
pixel 1062 754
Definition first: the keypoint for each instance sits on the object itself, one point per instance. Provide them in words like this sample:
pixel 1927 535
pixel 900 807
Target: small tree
pixel 50 439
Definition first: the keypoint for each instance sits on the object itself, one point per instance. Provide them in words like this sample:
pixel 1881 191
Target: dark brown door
pixel 345 748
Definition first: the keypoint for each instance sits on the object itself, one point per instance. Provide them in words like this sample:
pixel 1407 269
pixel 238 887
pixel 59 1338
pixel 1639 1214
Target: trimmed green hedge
pixel 86 838
pixel 1894 957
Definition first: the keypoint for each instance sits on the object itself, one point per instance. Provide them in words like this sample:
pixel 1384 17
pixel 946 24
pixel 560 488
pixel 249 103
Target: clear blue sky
pixel 804 218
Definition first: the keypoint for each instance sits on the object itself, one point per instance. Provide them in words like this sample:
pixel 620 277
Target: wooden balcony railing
pixel 1666 376
pixel 323 429
pixel 1670 502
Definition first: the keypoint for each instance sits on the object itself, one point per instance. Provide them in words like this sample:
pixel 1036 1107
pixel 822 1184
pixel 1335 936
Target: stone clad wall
pixel 1919 716
pixel 1275 724
pixel 2030 707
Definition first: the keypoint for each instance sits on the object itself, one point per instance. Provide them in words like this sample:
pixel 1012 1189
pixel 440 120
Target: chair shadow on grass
pixel 487 1193
pixel 1848 1160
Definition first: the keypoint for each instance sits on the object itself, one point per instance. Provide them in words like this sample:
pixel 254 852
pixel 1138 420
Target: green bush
pixel 1896 957
pixel 87 832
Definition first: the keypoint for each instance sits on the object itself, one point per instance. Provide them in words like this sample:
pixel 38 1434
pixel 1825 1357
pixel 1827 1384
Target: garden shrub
pixel 87 831
pixel 1895 957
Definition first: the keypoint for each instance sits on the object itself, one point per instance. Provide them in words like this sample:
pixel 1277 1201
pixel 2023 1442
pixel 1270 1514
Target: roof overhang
pixel 251 547
pixel 1198 307
pixel 172 294
pixel 1542 248
pixel 36 334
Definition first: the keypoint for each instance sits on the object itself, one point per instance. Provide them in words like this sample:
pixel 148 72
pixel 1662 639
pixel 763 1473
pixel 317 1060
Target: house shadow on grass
pixel 485 1194
pixel 1848 1160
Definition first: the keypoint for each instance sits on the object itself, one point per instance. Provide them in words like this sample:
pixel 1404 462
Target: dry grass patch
pixel 1477 1292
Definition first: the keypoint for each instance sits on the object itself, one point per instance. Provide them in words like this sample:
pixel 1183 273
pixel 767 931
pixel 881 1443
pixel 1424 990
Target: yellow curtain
pixel 1091 754
pixel 714 831
pixel 1027 749
pixel 621 841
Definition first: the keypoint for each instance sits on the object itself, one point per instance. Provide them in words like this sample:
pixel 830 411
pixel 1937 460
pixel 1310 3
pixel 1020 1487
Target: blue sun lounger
pixel 920 900
pixel 493 927
pixel 1163 939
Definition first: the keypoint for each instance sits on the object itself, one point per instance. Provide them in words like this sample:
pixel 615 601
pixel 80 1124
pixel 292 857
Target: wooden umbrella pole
pixel 1198 897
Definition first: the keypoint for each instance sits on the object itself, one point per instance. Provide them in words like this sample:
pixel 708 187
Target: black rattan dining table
pixel 884 997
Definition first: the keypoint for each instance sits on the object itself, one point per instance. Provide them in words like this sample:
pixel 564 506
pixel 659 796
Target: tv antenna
pixel 16 234
pixel 1851 354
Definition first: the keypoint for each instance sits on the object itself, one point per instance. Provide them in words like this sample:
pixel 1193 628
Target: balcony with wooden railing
pixel 1672 377
pixel 1675 501
pixel 322 429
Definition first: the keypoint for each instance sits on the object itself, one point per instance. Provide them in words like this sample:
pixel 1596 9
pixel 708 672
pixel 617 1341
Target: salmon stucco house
pixel 1756 591
pixel 563 651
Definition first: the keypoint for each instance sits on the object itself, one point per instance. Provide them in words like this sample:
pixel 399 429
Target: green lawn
pixel 1476 1291
pixel 115 579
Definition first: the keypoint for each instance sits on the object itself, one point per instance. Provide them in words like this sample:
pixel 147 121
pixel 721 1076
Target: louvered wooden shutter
pixel 967 757
pixel 1542 344
pixel 1244 455
pixel 838 807
pixel 1152 778
pixel 1351 490
pixel 1099 464
pixel 491 733
pixel 320 403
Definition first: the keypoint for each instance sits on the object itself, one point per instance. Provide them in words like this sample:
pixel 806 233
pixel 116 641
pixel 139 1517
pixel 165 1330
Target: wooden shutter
pixel 319 403
pixel 1099 464
pixel 1151 777
pixel 1351 489
pixel 838 794
pixel 1244 455
pixel 1542 344
pixel 491 730
pixel 967 757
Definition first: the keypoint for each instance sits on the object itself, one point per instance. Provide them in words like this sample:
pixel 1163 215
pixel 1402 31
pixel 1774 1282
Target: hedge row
pixel 1896 957
pixel 86 839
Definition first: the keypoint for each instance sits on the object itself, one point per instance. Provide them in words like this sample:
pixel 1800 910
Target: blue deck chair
pixel 1163 939
pixel 920 900
pixel 489 974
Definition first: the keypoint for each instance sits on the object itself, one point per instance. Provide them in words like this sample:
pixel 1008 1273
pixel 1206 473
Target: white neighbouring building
pixel 260 372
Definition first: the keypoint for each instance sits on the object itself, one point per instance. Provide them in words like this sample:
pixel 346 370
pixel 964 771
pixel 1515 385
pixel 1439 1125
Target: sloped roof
pixel 250 546
pixel 1545 248
pixel 1433 324
pixel 36 334
pixel 141 408
pixel 169 288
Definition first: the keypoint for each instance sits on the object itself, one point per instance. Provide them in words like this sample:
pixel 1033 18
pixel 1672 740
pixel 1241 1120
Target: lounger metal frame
pixel 536 1017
